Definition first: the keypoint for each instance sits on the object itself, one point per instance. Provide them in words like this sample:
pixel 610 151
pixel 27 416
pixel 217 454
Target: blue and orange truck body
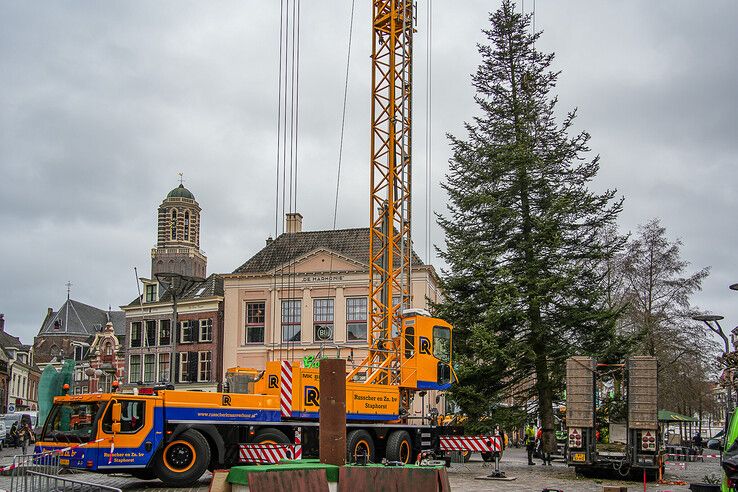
pixel 177 435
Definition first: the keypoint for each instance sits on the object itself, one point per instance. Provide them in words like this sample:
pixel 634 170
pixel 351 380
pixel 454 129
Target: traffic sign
pixel 11 407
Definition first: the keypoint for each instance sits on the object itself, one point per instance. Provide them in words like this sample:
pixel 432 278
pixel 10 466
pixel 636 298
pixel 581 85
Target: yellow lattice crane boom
pixel 390 207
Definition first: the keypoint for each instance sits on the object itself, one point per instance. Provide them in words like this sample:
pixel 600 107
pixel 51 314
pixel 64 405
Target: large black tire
pixel 183 460
pixel 271 435
pixel 359 440
pixel 399 447
pixel 488 457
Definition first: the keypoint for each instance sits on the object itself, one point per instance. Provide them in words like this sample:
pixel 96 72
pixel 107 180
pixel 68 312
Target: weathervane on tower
pixel 181 178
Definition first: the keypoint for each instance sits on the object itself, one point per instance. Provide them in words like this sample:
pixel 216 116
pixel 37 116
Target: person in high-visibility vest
pixel 530 441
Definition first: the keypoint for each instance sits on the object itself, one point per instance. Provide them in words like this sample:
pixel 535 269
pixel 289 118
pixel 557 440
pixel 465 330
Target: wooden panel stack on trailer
pixel 642 393
pixel 580 392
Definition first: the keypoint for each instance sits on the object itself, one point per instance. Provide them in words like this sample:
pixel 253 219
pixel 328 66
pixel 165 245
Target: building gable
pixel 322 260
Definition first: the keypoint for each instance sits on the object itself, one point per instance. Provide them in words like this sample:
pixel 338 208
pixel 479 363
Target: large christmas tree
pixel 527 241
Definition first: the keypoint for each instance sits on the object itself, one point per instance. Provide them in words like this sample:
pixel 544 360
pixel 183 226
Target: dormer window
pixel 151 292
pixel 57 324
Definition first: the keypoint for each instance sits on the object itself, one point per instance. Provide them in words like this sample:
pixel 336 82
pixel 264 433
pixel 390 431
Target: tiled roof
pixel 77 318
pixel 9 341
pixel 210 287
pixel 351 243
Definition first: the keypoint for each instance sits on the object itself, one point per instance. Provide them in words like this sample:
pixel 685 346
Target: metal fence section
pixel 41 473
pixel 33 481
pixel 44 463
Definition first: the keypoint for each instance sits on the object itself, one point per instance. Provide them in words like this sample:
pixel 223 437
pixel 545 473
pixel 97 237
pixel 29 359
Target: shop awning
pixel 669 416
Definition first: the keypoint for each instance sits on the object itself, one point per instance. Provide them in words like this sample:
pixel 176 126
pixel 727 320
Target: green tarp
pixel 50 385
pixel 240 474
pixel 669 416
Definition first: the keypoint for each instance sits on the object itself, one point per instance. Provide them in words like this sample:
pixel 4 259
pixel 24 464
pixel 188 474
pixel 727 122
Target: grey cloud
pixel 103 103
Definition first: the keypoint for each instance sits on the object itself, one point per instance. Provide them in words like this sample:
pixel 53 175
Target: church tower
pixel 178 242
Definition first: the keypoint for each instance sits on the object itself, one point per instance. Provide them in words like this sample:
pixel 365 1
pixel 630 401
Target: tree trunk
pixel 543 388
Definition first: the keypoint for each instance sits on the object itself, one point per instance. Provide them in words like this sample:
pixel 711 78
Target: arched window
pixel 187 226
pixel 173 225
pixel 108 349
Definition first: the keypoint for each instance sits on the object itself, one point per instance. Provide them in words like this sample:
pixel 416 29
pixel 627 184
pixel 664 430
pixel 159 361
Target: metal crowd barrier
pixel 36 481
pixel 44 463
pixel 41 473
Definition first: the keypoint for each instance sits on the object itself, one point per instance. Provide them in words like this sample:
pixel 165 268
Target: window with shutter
pixel 176 367
pixel 192 367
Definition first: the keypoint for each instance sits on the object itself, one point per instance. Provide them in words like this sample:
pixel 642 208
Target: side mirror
pixel 117 411
pixel 115 427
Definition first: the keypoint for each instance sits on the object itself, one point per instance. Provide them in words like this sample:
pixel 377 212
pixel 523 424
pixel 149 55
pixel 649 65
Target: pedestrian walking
pixel 545 457
pixel 529 439
pixel 14 434
pixel 25 436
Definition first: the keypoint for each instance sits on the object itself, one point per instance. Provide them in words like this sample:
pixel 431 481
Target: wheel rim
pixel 405 452
pixel 362 446
pixel 179 456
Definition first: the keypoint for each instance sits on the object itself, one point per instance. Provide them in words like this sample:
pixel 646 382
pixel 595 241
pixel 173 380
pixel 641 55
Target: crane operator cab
pixel 425 353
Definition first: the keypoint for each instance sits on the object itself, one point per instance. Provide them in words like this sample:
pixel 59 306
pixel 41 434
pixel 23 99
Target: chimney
pixel 2 322
pixel 294 223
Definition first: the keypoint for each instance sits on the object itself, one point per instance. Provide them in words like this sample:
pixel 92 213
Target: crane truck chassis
pixel 177 435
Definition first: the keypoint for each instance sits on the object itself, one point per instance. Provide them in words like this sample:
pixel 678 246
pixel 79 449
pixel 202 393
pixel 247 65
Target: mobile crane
pixel 267 415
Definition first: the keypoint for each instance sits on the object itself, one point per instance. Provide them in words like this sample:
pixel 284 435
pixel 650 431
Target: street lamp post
pixel 709 319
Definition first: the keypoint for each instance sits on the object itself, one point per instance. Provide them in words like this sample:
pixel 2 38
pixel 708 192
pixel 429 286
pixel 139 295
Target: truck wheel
pixel 399 447
pixel 488 457
pixel 271 435
pixel 183 461
pixel 359 442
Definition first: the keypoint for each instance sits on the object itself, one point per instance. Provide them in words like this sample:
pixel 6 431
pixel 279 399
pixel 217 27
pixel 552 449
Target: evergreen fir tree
pixel 526 240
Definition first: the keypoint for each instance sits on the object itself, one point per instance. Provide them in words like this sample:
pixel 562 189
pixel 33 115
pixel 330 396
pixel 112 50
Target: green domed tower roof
pixel 181 192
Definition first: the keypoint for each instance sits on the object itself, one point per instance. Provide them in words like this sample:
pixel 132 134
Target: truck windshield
pixel 442 343
pixel 71 422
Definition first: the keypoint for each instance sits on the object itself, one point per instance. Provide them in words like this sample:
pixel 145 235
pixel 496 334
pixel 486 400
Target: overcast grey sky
pixel 103 103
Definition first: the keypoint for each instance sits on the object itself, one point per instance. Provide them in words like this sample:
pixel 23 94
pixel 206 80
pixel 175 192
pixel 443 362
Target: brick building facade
pixel 188 355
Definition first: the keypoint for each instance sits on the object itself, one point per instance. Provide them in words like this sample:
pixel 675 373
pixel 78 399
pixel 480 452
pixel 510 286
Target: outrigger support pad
pixel 497 474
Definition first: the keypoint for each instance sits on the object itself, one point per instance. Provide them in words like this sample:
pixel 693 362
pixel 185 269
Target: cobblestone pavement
pixel 462 477
pixel 559 476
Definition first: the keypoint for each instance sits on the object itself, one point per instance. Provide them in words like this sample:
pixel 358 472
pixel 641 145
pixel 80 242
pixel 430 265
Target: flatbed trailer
pixel 638 449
